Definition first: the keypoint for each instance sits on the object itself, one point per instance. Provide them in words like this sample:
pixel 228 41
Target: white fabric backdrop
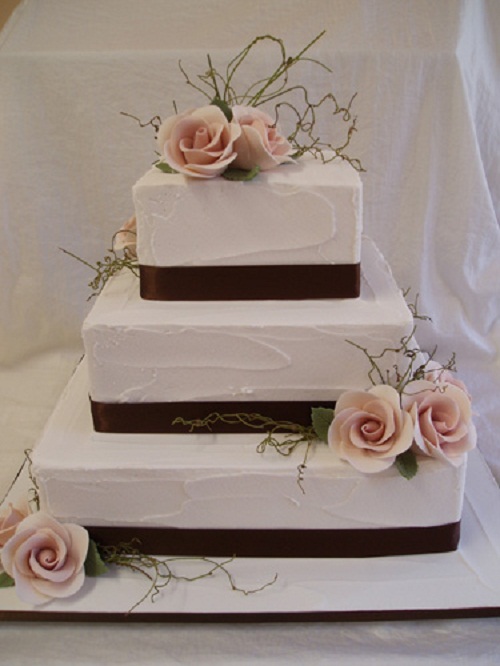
pixel 427 75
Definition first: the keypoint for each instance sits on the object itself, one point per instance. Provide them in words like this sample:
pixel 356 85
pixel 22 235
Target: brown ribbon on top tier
pixel 371 542
pixel 249 283
pixel 158 417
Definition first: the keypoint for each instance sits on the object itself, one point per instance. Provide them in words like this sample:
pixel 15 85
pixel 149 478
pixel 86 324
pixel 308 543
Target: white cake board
pixel 465 583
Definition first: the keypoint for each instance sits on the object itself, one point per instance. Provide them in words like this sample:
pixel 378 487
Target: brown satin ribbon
pixel 249 283
pixel 242 617
pixel 158 417
pixel 286 543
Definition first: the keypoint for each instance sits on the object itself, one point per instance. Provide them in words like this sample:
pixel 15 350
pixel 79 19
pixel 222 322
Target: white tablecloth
pixel 427 76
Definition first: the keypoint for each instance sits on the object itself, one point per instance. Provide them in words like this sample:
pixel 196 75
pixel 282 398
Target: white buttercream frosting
pixel 302 213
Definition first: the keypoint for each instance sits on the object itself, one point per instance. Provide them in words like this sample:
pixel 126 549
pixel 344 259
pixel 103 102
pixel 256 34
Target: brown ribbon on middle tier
pixel 158 417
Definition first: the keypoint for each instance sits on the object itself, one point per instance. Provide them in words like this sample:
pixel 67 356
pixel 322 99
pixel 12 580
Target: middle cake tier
pixel 150 362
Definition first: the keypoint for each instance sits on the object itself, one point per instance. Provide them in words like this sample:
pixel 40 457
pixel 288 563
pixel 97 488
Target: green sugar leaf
pixel 321 420
pixel 224 107
pixel 94 565
pixel 240 174
pixel 166 168
pixel 6 580
pixel 406 464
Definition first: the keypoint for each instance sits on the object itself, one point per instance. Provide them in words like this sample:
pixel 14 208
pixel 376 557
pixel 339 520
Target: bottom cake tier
pixel 216 495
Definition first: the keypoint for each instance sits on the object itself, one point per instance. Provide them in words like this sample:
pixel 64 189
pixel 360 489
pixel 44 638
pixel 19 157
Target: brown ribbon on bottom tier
pixel 285 543
pixel 158 417
pixel 249 283
pixel 244 617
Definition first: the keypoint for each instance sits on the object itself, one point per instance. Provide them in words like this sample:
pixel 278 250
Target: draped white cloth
pixel 427 79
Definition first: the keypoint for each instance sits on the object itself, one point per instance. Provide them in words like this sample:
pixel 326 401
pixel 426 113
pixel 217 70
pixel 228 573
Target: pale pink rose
pixel 126 238
pixel 442 418
pixel 370 429
pixel 45 558
pixel 199 143
pixel 260 144
pixel 435 372
pixel 9 520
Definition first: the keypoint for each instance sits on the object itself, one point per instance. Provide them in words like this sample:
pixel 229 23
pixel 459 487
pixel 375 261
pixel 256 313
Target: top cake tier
pixel 292 232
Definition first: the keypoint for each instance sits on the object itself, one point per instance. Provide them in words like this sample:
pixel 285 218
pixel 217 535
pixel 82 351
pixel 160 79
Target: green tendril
pixel 415 362
pixel 282 436
pixel 277 90
pixel 104 269
pixel 160 571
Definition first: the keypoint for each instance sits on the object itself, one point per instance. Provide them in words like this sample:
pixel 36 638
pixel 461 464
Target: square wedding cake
pixel 158 368
pixel 251 387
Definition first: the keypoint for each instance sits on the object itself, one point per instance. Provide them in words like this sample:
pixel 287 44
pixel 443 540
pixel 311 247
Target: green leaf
pixel 240 174
pixel 321 420
pixel 224 107
pixel 94 565
pixel 166 168
pixel 406 464
pixel 6 580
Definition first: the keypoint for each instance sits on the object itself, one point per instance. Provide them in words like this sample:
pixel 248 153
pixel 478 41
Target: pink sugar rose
pixel 260 144
pixel 199 143
pixel 9 520
pixel 45 558
pixel 442 416
pixel 440 376
pixel 126 238
pixel 370 429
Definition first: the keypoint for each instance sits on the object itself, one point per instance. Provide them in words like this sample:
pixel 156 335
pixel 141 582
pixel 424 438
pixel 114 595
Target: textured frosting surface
pixel 143 351
pixel 303 213
pixel 221 481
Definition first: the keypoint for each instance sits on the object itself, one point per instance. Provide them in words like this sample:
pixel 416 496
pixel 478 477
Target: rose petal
pixel 28 593
pixel 210 114
pixel 252 152
pixel 201 138
pixel 21 545
pixel 245 115
pixel 10 520
pixel 373 430
pixel 79 544
pixel 167 126
pixel 260 143
pixel 364 462
pixel 61 590
pixel 442 416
